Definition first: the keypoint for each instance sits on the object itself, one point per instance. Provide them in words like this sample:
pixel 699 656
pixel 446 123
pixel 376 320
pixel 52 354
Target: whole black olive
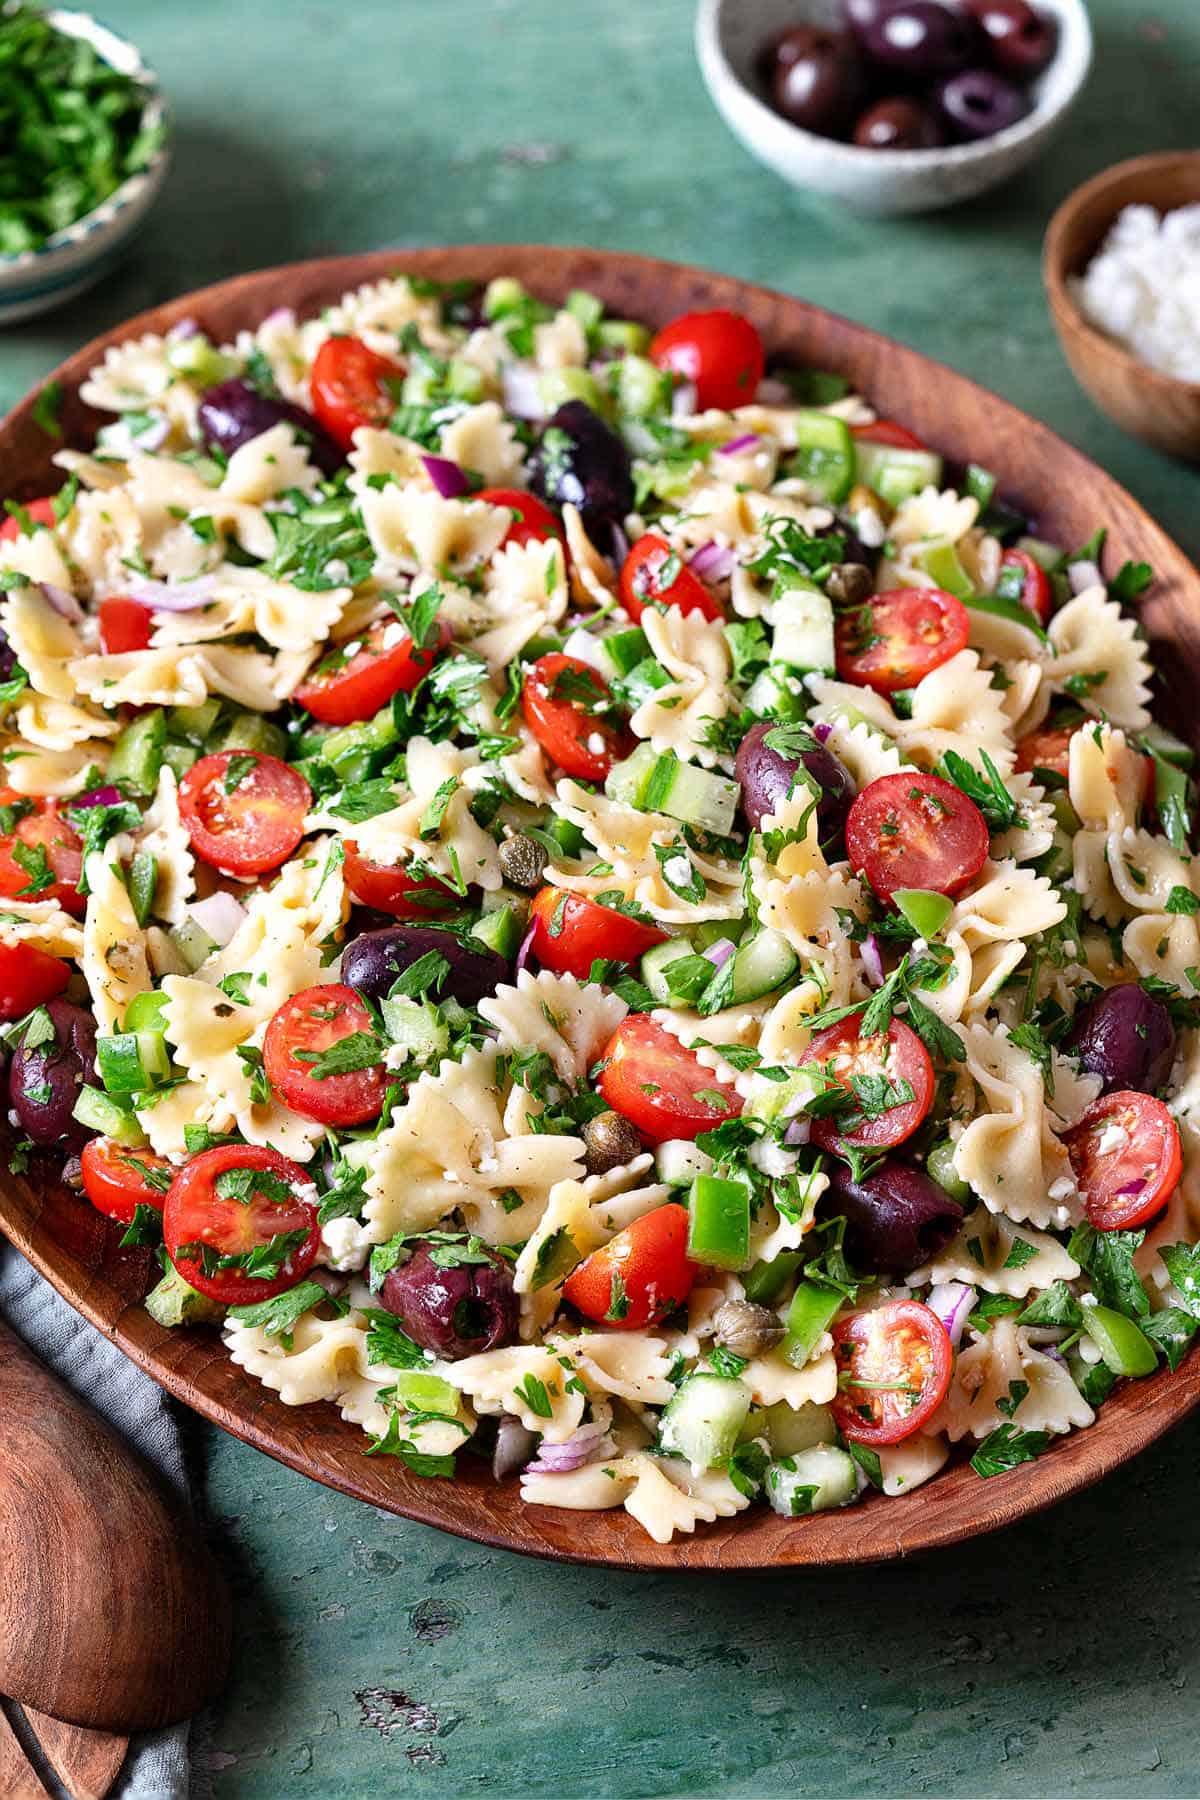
pixel 896 1218
pixel 579 462
pixel 766 777
pixel 816 79
pixel 922 39
pixel 1126 1037
pixel 1022 41
pixel 232 413
pixel 453 1308
pixel 8 658
pixel 44 1078
pixel 898 124
pixel 978 104
pixel 373 961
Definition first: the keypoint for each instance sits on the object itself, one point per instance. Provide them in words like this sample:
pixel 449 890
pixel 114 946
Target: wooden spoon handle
pixel 113 1613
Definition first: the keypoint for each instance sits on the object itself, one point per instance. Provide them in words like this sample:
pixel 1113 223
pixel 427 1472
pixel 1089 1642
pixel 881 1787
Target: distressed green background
pixel 1058 1658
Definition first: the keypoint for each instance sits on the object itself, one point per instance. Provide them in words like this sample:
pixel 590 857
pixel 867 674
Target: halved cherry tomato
pixel 857 1063
pixel 1036 591
pixel 216 1209
pixel 304 1028
pixel 1047 748
pixel 895 639
pixel 1127 1159
pixel 654 574
pixel 115 1178
pixel 912 830
pixel 28 977
pixel 244 811
pixel 342 689
pixel 41 858
pixel 41 511
pixel 569 709
pixel 350 387
pixel 639 1276
pixel 533 522
pixel 659 1085
pixel 124 625
pixel 719 352
pixel 888 431
pixel 570 932
pixel 894 1365
pixel 392 891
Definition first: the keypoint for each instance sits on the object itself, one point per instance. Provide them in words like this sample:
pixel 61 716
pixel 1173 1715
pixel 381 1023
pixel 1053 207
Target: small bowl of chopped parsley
pixel 83 154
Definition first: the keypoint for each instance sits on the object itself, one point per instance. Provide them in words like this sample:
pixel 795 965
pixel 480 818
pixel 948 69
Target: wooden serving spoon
pixel 113 1614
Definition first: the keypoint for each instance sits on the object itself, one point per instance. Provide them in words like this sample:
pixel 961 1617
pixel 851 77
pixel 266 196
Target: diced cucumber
pixel 803 621
pixel 465 380
pixel 503 295
pixel 145 1011
pixel 777 692
pixel 587 308
pixel 175 1302
pixel 100 1112
pixel 418 1392
pixel 641 388
pixel 784 1099
pixel 626 781
pixel 200 361
pixel 940 1166
pixel 557 386
pixel 656 961
pixel 896 475
pixel 694 796
pixel 347 749
pixel 719 1222
pixel 179 757
pixel 679 1161
pixel 250 731
pixel 813 1309
pixel 762 964
pixel 943 565
pixel 416 1027
pixel 702 1421
pixel 765 1282
pixel 628 335
pixel 717 931
pixel 1123 1348
pixel 194 723
pixel 501 930
pixel 130 1061
pixel 192 942
pixel 812 1481
pixel 791 1429
pixel 1169 746
pixel 824 455
pixel 643 682
pixel 138 753
pixel 622 651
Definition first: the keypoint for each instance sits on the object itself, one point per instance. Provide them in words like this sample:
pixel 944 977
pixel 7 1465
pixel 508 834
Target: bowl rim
pixel 1040 117
pixel 1055 273
pixel 74 1247
pixel 72 22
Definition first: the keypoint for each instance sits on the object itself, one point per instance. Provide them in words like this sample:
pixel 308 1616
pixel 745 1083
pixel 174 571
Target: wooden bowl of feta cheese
pixel 1122 270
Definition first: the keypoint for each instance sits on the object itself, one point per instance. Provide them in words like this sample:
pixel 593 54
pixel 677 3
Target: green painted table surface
pixel 374 1655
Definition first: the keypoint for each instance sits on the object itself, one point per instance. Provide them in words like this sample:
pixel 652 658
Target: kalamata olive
pixel 45 1078
pixel 580 462
pixel 896 1218
pixel 374 960
pixel 898 124
pixel 8 658
pixel 862 14
pixel 458 1310
pixel 817 79
pixel 766 776
pixel 1126 1037
pixel 1022 41
pixel 978 104
pixel 922 39
pixel 232 413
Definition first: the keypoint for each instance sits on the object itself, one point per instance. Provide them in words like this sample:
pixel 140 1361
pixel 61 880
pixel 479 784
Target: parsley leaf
pixel 359 1050
pixel 1006 1448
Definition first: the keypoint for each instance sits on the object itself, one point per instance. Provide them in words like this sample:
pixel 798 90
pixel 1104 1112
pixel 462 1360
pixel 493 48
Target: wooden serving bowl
pixel 1153 406
pixel 76 1248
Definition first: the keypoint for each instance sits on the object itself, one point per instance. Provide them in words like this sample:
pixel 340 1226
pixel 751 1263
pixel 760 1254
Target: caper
pixel 522 861
pixel 611 1141
pixel 746 1329
pixel 850 584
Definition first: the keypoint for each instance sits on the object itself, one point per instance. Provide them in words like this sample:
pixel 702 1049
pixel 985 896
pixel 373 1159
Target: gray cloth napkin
pixel 157 1766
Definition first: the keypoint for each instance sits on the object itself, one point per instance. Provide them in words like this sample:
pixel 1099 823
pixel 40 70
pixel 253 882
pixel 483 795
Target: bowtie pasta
pixel 589 904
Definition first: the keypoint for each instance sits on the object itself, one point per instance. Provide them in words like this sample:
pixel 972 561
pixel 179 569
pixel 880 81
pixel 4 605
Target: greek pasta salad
pixel 597 905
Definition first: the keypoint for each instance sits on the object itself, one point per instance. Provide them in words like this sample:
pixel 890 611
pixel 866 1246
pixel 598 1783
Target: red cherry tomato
pixel 28 977
pixel 115 1178
pixel 1036 592
pixel 41 858
pixel 657 1083
pixel 856 1063
pixel 306 1026
pixel 216 1206
pixel 343 689
pixel 570 932
pixel 350 388
pixel 911 830
pixel 1046 749
pixel 1127 1159
pixel 894 1365
pixel 887 431
pixel 568 708
pixel 638 1277
pixel 719 352
pixel 895 639
pixel 244 811
pixel 124 625
pixel 654 574
pixel 41 511
pixel 533 522
pixel 392 891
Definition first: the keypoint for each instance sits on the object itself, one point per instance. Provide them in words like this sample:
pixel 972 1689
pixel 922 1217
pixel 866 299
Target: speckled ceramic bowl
pixel 731 33
pixel 79 255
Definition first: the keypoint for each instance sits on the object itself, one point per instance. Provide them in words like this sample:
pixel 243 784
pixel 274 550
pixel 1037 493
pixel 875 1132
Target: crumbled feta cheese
pixel 394 634
pixel 1143 288
pixel 347 1245
pixel 1113 1137
pixel 869 527
pixel 677 871
pixel 772 1159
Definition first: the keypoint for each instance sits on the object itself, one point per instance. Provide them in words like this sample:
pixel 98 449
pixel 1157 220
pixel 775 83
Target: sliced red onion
pixel 1084 575
pixel 104 796
pixel 186 328
pixel 521 391
pixel 797 1133
pixel 220 916
pixel 952 1301
pixel 872 960
pixel 772 392
pixel 514 1446
pixel 719 953
pixel 822 731
pixel 1054 1355
pixel 446 477
pixel 282 315
pixel 683 400
pixel 526 946
pixel 736 445
pixel 713 561
pixel 588 1443
pixel 65 604
pixel 620 545
pixel 1130 1191
pixel 172 596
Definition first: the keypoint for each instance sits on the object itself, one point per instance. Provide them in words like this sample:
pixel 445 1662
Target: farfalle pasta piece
pixel 1164 945
pixel 695 653
pixel 481 438
pixel 42 923
pixel 525 594
pixel 165 838
pixel 1091 637
pixel 1106 778
pixel 568 1022
pixel 1008 1153
pixel 1008 902
pixel 42 640
pixel 991 1252
pixel 994 1370
pixel 432 822
pixel 59 724
pixel 137 376
pixel 268 465
pixel 113 958
pixel 907 1465
pixel 379 312
pixel 413 528
pixel 956 708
